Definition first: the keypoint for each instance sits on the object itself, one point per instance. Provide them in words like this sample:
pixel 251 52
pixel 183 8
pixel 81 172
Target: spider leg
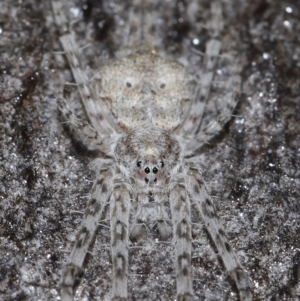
pixel 181 218
pixel 86 132
pixel 72 272
pixel 215 126
pixel 212 51
pixel 142 212
pixel 141 25
pixel 119 219
pixel 203 204
pixel 162 217
pixel 139 205
pixel 96 109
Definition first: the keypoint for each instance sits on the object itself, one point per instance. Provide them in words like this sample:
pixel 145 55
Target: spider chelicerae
pixel 144 114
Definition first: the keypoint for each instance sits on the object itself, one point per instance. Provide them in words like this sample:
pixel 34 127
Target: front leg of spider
pixel 203 204
pixel 100 195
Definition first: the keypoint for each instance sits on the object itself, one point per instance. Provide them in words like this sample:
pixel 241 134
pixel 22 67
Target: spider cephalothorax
pixel 149 157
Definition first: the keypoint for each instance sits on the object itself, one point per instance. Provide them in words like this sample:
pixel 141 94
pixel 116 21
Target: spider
pixel 144 113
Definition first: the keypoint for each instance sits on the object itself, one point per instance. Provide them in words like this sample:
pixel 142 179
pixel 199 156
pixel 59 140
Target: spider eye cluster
pixel 150 170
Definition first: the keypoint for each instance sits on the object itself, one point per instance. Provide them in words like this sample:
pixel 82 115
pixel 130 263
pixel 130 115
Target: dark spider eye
pixel 162 164
pixel 155 170
pixel 147 170
pixel 139 163
pixel 128 85
pixel 155 180
pixel 162 86
pixel 146 180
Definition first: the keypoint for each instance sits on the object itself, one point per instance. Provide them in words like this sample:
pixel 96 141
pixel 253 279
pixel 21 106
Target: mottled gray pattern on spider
pixel 144 113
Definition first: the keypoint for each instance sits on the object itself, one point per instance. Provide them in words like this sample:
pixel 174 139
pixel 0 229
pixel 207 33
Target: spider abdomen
pixel 145 88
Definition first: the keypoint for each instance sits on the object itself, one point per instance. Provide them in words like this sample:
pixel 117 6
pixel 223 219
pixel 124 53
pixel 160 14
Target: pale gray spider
pixel 144 115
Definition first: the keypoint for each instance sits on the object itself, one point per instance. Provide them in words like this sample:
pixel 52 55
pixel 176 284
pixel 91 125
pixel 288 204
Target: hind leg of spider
pixel 212 52
pixel 96 109
pixel 72 272
pixel 215 126
pixel 82 130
